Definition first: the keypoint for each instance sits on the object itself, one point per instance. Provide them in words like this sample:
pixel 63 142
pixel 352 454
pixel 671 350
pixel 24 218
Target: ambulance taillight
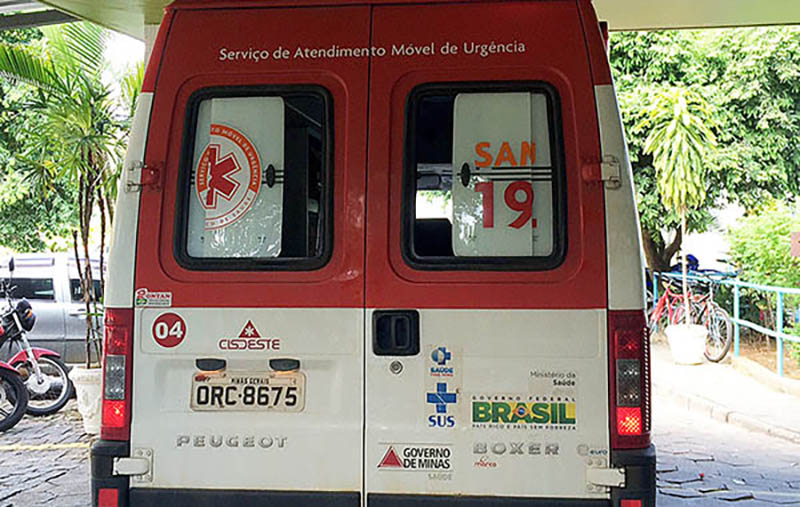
pixel 630 379
pixel 117 356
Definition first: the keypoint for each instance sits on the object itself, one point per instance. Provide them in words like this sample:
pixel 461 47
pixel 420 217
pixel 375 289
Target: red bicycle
pixel 705 312
pixel 665 311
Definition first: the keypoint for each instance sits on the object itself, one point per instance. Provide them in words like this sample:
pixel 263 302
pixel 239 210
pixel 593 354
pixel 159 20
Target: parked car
pixel 50 282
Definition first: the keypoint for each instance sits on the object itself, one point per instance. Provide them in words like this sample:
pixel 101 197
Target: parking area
pixel 45 461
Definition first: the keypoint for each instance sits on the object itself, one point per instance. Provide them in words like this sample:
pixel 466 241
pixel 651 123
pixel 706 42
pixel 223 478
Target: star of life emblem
pixel 228 177
pixel 249 331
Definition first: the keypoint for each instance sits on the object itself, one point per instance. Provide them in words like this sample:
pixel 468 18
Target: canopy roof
pixel 130 16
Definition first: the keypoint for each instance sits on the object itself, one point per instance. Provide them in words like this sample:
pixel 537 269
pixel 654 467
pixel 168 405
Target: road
pixel 701 462
pixel 705 462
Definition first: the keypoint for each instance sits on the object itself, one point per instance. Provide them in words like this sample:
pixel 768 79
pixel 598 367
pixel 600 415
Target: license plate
pixel 246 391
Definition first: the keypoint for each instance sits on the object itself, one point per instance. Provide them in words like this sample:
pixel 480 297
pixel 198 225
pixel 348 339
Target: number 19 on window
pixel 518 197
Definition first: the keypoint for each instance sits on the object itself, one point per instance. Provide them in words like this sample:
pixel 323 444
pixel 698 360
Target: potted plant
pixel 680 140
pixel 88 378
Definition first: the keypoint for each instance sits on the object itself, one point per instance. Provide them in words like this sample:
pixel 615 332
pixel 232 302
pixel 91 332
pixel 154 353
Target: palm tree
pixel 82 136
pixel 680 141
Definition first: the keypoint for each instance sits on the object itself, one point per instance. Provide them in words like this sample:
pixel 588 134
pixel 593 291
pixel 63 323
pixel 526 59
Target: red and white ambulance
pixel 373 253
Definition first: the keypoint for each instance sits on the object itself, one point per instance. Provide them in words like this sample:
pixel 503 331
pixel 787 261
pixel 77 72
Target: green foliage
pixel 680 141
pixel 31 224
pixel 761 247
pixel 27 222
pixel 749 77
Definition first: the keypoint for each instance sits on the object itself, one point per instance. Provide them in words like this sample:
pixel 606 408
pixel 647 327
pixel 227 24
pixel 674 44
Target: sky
pixel 123 52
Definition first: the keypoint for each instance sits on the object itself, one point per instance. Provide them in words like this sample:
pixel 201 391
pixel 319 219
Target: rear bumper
pixel 640 476
pixel 640 466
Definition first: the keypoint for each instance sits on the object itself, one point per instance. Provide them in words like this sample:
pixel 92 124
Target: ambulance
pixel 373 253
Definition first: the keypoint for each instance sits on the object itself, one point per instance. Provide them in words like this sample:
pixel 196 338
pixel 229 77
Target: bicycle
pixel 665 309
pixel 707 313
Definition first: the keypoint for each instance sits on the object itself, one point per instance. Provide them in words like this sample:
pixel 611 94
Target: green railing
pixel 738 322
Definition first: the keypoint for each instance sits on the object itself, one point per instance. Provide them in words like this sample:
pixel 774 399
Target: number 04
pixel 162 330
pixel 511 198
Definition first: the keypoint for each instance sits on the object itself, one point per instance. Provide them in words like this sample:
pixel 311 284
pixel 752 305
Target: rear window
pixel 34 288
pixel 256 186
pixel 76 290
pixel 485 178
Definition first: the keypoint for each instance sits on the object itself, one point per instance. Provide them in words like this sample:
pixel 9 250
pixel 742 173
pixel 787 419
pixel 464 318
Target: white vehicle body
pixel 283 325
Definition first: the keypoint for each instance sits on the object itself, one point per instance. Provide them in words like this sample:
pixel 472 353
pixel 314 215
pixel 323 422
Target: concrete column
pixel 150 33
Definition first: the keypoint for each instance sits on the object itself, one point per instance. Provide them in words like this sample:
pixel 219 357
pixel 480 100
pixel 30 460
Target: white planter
pixel 687 343
pixel 88 383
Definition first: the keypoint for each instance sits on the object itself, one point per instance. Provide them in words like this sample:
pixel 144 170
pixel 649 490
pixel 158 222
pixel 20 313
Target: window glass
pixel 486 177
pixel 34 288
pixel 76 290
pixel 257 189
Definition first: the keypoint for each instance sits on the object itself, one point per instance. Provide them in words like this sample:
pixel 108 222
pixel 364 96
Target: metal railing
pixel 738 322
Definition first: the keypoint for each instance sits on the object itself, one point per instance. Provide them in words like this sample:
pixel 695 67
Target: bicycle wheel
pixel 48 394
pixel 720 333
pixel 13 399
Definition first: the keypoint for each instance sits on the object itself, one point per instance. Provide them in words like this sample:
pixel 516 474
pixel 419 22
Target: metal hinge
pixel 139 466
pixel 140 175
pixel 609 172
pixel 598 475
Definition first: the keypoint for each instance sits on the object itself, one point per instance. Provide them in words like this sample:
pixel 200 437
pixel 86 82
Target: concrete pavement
pixel 723 393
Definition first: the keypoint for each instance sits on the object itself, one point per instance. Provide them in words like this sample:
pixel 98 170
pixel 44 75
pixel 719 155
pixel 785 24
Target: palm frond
pixel 18 65
pixel 131 86
pixel 78 45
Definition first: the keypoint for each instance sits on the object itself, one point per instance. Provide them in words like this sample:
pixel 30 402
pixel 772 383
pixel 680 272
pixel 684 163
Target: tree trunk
pixel 657 256
pixel 687 307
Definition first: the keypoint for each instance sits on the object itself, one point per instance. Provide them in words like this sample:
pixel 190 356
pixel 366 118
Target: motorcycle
pixel 42 371
pixel 13 396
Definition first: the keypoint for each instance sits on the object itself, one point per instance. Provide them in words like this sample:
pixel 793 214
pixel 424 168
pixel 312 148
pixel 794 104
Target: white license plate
pixel 245 391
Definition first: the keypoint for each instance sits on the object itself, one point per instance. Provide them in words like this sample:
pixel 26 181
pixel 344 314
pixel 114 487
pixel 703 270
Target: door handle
pixel 395 332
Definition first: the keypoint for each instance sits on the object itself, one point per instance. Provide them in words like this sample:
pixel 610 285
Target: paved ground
pixel 702 462
pixel 45 461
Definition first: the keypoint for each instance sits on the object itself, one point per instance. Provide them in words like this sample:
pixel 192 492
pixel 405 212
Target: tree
pixel 80 138
pixel 749 77
pixel 27 222
pixel 680 140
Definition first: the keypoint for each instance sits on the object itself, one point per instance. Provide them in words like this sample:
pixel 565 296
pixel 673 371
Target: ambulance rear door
pixel 487 360
pixel 248 353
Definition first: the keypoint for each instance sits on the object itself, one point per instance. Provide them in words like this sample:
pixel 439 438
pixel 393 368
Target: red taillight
pixel 629 421
pixel 631 503
pixel 117 358
pixel 114 413
pixel 107 497
pixel 629 379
